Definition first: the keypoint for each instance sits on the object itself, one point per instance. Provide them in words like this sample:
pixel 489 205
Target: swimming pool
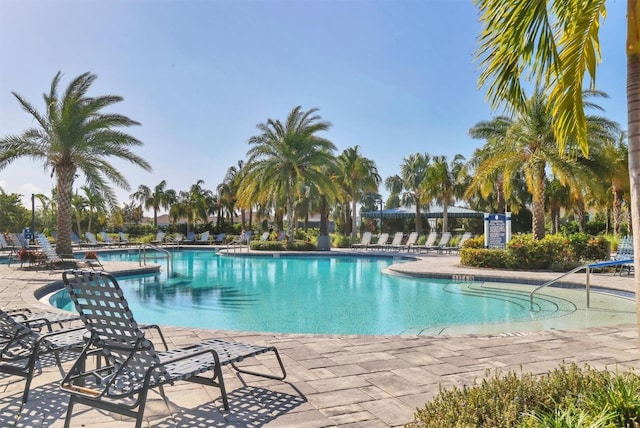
pixel 339 295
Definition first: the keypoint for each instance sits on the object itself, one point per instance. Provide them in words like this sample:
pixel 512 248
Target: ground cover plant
pixel 569 396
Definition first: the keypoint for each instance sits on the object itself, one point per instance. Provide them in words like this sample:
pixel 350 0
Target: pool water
pixel 331 295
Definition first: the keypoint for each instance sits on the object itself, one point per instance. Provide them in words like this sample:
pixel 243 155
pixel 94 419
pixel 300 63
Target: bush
pixel 553 252
pixel 267 245
pixel 598 399
pixel 300 246
pixel 338 240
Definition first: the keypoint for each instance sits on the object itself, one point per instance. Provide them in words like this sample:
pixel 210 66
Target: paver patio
pixel 352 381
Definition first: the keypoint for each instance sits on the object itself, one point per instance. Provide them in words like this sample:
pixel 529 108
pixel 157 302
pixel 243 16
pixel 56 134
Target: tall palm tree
pixel 518 37
pixel 74 136
pixel 160 197
pixel 284 156
pixel 413 172
pixel 528 144
pixel 445 182
pixel 95 204
pixel 195 204
pixel 358 175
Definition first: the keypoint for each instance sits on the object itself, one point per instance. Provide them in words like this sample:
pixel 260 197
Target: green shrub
pixel 300 246
pixel 338 240
pixel 492 258
pixel 566 397
pixel 553 252
pixel 267 245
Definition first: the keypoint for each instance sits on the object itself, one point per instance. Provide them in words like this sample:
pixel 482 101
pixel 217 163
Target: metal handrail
pixel 588 268
pixel 142 256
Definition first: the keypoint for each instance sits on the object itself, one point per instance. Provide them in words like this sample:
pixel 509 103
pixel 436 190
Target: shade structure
pixel 434 211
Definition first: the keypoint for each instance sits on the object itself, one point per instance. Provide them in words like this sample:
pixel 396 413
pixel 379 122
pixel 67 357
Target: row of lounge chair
pixel 117 362
pixel 397 244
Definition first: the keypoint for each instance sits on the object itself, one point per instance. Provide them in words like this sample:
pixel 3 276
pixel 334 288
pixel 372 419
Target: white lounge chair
pixel 365 241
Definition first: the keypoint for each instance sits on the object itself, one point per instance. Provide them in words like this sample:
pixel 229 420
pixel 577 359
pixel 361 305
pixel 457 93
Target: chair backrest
pixel 91 237
pixel 445 238
pixel 625 248
pixel 383 238
pixel 105 237
pixel 75 238
pixel 397 238
pixel 264 236
pixel 16 339
pixel 16 242
pixel 105 313
pixel 366 238
pixel 465 237
pixel 431 238
pixel 3 242
pixel 204 237
pixel 191 235
pixel 160 236
pixel 413 237
pixel 123 237
pixel 47 248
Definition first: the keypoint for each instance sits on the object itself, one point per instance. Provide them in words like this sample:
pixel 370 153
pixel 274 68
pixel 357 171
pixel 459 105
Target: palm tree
pixel 195 204
pixel 74 136
pixel 520 36
pixel 283 157
pixel 94 204
pixel 358 175
pixel 528 144
pixel 445 182
pixel 160 197
pixel 413 172
pixel 78 208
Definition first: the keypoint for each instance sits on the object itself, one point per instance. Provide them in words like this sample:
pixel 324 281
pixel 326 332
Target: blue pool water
pixel 332 295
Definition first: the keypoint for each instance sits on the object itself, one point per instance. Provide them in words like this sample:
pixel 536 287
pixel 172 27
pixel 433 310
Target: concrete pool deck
pixel 352 381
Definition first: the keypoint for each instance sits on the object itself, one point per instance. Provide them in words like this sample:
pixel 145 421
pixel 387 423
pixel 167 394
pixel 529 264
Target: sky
pixel 392 77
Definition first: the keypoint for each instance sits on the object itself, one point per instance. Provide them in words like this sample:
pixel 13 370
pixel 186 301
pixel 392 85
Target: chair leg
pixel 67 419
pixel 142 400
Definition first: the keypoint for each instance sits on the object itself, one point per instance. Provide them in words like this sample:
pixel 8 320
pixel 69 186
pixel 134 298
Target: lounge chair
pixel 411 241
pixel 191 237
pixel 624 252
pixel 123 238
pixel 444 242
pixel 3 243
pixel 429 243
pixel 75 239
pixel 133 366
pixel 242 239
pixel 106 239
pixel 18 243
pixel 396 243
pixel 204 238
pixel 465 236
pixel 159 238
pixel 365 241
pixel 91 238
pixel 220 238
pixel 264 236
pixel 21 347
pixel 382 241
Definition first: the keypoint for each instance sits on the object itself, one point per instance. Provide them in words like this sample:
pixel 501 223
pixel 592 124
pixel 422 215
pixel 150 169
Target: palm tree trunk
pixel 155 217
pixel 354 220
pixel 290 218
pixel 538 209
pixel 445 216
pixel 633 111
pixel 418 219
pixel 64 174
pixel 617 211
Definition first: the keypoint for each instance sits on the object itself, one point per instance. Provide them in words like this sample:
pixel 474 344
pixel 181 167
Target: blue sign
pixel 497 230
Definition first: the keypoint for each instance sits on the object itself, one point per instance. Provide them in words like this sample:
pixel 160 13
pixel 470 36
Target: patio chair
pixel 3 243
pixel 411 241
pixel 123 238
pixel 190 238
pixel 429 243
pixel 75 239
pixel 382 241
pixel 91 238
pixel 106 239
pixel 465 237
pixel 21 347
pixel 133 366
pixel 51 257
pixel 204 238
pixel 264 236
pixel 242 239
pixel 365 241
pixel 220 238
pixel 396 243
pixel 444 242
pixel 159 238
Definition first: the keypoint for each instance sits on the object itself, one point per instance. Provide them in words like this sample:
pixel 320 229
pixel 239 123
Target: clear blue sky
pixel 394 77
